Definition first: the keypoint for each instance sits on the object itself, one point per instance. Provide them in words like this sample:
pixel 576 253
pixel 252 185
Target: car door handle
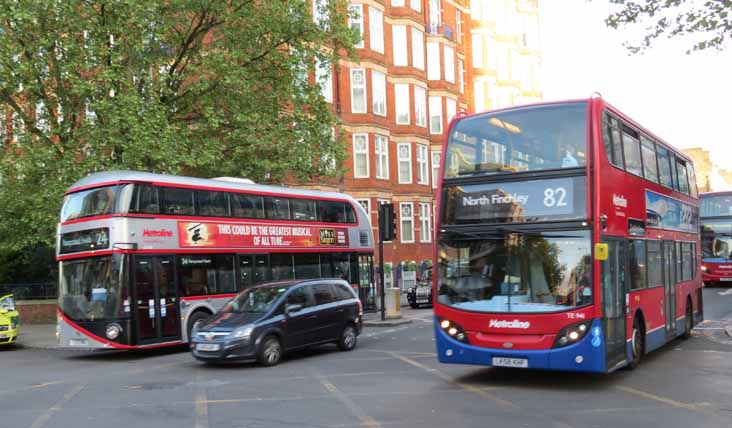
pixel 340 310
pixel 312 317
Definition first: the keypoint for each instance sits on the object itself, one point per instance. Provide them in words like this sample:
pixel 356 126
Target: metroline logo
pixel 509 324
pixel 160 233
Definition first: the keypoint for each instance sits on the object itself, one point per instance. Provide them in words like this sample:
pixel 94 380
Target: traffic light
pixel 387 223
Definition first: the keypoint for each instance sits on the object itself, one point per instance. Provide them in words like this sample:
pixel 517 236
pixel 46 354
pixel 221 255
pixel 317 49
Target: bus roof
pixel 98 179
pixel 720 193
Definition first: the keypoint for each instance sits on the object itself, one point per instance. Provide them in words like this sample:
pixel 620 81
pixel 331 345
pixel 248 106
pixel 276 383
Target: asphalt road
pixel 391 380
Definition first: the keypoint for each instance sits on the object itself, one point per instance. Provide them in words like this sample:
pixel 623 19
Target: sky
pixel 682 98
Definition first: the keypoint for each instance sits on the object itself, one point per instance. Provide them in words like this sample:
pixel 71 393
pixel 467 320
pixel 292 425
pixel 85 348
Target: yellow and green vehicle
pixel 9 320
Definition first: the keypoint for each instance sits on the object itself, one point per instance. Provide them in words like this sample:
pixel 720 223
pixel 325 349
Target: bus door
pixel 614 295
pixel 669 284
pixel 156 299
pixel 366 284
pixel 253 269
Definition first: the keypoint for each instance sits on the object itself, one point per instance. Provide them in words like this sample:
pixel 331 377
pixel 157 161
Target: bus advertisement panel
pixel 567 240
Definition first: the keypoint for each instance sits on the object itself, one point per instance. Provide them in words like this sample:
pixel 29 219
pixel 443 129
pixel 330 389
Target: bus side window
pixel 177 201
pixel 145 200
pixel 276 208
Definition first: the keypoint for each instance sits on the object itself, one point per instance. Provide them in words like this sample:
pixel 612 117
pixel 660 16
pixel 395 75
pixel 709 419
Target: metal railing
pixel 439 28
pixel 31 291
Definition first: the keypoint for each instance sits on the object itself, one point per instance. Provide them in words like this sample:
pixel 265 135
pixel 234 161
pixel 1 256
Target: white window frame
pixel 376 29
pixel 422 164
pixel 381 156
pixel 402 159
pixel 324 77
pixel 319 18
pixel 362 86
pixel 450 109
pixel 406 220
pixel 449 54
pixel 435 106
pixel 461 76
pixel 42 118
pixel 366 206
pixel 420 106
pixel 433 61
pixel 425 222
pixel 417 49
pixel 364 152
pixel 459 26
pixel 359 21
pixel 399 43
pixel 402 103
pixel 435 159
pixel 398 3
pixel 416 5
pixel 378 93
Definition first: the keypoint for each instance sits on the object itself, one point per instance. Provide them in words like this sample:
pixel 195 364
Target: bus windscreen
pixel 524 139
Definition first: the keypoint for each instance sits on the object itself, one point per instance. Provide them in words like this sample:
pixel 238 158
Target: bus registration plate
pixel 510 362
pixel 726 279
pixel 207 347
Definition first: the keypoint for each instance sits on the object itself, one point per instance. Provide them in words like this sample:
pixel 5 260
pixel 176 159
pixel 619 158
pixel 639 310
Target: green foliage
pixel 205 88
pixel 708 21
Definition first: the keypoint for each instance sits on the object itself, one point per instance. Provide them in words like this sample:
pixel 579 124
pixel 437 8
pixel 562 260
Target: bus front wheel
pixel 196 317
pixel 689 322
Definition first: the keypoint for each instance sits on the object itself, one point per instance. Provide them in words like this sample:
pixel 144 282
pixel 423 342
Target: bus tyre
pixel 348 338
pixel 689 322
pixel 198 316
pixel 270 354
pixel 637 342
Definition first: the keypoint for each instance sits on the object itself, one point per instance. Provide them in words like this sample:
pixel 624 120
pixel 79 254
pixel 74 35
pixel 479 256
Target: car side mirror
pixel 293 308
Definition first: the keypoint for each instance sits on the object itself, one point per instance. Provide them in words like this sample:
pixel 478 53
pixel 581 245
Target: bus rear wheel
pixel 689 322
pixel 637 342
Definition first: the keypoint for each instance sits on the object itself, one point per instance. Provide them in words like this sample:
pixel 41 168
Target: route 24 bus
pixel 567 240
pixel 143 257
pixel 716 237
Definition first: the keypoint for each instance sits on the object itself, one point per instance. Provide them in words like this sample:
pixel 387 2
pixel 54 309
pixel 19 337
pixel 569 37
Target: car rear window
pixel 342 292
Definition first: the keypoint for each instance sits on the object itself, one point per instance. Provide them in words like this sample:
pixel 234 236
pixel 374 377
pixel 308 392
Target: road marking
pixel 201 398
pixel 355 409
pixel 725 293
pixel 45 417
pixel 658 398
pixel 44 385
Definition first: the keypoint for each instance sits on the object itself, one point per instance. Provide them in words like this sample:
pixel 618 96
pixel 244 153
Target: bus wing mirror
pixel 601 252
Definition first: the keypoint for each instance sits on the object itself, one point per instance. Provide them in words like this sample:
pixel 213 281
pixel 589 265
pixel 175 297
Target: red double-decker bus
pixel 142 257
pixel 567 240
pixel 716 237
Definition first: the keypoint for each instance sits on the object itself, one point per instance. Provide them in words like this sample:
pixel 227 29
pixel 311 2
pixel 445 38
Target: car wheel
pixel 689 324
pixel 270 354
pixel 196 317
pixel 637 342
pixel 348 338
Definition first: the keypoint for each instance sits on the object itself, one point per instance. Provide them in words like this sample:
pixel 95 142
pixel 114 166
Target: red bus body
pixel 716 224
pixel 468 331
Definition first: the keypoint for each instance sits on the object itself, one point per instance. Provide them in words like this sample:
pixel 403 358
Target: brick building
pixel 418 62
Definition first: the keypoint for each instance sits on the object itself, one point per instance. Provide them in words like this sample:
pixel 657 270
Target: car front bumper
pixel 9 329
pixel 227 350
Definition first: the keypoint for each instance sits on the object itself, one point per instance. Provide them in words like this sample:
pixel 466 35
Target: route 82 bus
pixel 716 237
pixel 142 257
pixel 567 240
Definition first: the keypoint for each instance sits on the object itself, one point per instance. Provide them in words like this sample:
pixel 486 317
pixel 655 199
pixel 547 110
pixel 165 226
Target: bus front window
pixel 515 273
pixel 87 203
pixel 522 139
pixel 93 289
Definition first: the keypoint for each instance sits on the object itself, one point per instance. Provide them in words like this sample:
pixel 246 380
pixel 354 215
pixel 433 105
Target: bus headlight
pixel 703 268
pixel 571 334
pixel 454 330
pixel 113 331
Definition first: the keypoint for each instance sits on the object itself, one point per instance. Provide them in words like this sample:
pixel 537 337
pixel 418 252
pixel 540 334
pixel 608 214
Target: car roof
pixel 293 282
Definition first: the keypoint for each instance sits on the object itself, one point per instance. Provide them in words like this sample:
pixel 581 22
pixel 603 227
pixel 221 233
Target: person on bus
pixel 568 159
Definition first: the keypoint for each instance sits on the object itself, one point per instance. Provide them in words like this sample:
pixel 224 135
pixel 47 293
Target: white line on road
pixel 201 404
pixel 355 409
pixel 45 417
pixel 725 293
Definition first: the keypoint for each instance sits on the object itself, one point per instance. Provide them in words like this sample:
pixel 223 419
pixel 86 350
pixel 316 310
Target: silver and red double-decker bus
pixel 142 257
pixel 568 239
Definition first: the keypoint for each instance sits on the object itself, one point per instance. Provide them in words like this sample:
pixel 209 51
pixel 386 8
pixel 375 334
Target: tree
pixel 709 21
pixel 204 87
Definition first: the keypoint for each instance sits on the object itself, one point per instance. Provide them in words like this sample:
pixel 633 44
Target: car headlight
pixel 113 331
pixel 242 332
